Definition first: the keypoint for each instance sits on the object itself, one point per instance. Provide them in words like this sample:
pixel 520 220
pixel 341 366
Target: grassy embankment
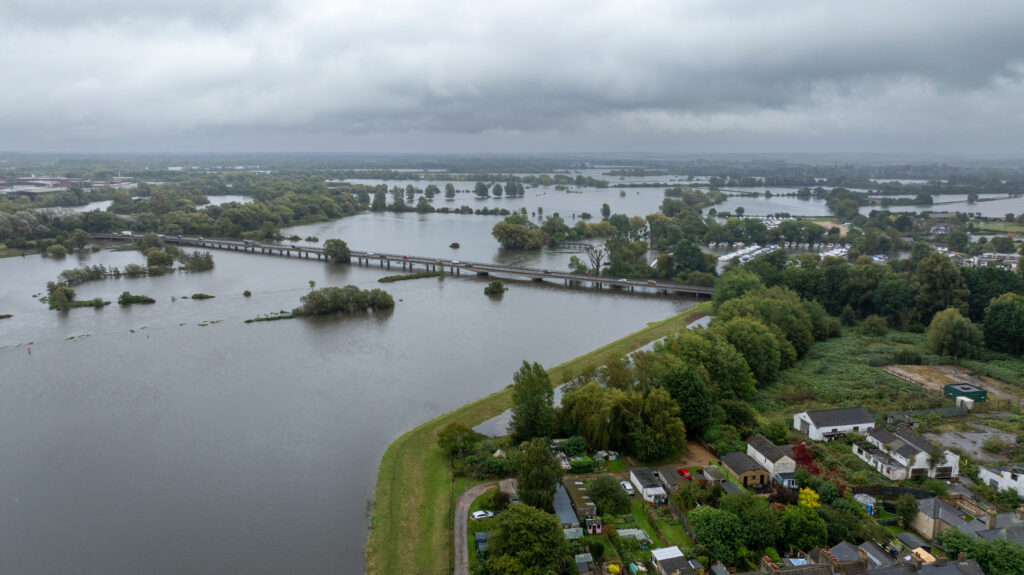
pixel 411 527
pixel 415 276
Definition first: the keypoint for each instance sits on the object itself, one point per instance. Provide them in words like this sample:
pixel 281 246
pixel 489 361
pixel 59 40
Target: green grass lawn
pixel 644 522
pixel 675 533
pixel 1000 227
pixel 477 525
pixel 410 530
pixel 618 465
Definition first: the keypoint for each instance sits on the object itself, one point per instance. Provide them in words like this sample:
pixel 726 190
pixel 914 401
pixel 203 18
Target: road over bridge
pixel 452 266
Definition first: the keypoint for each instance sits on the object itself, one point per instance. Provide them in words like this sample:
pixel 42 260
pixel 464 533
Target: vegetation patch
pixel 414 483
pixel 415 276
pixel 5 315
pixel 201 296
pixel 273 316
pixel 128 299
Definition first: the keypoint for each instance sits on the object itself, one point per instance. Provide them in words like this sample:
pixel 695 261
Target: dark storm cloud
pixel 581 75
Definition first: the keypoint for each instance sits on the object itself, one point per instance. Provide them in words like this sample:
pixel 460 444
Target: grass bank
pixel 415 276
pixel 411 530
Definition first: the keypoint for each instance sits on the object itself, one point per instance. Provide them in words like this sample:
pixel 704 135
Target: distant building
pixel 1003 478
pixel 647 485
pixel 781 467
pixel 903 454
pixel 973 392
pixel 563 508
pixel 829 424
pixel 669 560
pixel 747 471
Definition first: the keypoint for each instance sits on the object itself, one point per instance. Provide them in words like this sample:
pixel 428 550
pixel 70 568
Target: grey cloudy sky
pixel 527 76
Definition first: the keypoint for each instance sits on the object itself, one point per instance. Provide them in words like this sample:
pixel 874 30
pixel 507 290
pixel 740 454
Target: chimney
pixel 992 518
pixel 940 561
pixel 961 558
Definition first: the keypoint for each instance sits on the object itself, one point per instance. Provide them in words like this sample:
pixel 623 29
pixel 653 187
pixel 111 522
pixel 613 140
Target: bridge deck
pixel 456 267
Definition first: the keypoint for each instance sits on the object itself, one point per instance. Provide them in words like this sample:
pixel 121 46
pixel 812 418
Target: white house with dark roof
pixel 647 485
pixel 1003 477
pixel 781 467
pixel 829 424
pixel 903 454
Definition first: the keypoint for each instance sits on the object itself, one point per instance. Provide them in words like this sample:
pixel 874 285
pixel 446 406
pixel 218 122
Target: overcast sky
pixel 944 77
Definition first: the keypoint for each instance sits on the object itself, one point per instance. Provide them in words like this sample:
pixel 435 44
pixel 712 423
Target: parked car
pixel 684 473
pixel 627 487
pixel 651 282
pixel 405 257
pixel 477 515
pixel 623 280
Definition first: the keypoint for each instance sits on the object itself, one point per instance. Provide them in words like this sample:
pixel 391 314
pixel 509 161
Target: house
pixel 647 485
pixel 1003 477
pixel 828 424
pixel 580 498
pixel 781 467
pixel 934 515
pixel 868 553
pixel 669 560
pixel 903 454
pixel 747 471
pixel 563 508
pixel 711 475
pixel 912 564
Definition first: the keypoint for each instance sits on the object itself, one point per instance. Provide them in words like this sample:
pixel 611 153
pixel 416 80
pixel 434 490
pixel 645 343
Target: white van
pixel 628 487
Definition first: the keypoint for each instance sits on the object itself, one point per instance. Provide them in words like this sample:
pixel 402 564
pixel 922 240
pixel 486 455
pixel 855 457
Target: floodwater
pixel 214 201
pixel 175 438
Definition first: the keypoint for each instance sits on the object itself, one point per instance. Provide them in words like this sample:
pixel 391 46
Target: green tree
pixel 533 413
pixel 939 285
pixel 538 472
pixel 481 189
pixel 606 211
pixel 496 287
pixel 758 346
pixel 955 542
pixel 658 431
pixel 999 556
pixel 380 202
pixel 720 532
pixel 874 325
pixel 692 395
pixel 952 334
pixel 1004 323
pixel 608 495
pixel 156 258
pixel 735 283
pixel 515 232
pixel 337 250
pixel 457 439
pixel 804 529
pixel 998 244
pixel 906 509
pixel 957 240
pixel 525 540
pixel 762 527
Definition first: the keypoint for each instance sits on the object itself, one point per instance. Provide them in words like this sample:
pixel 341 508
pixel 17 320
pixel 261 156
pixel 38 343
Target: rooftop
pixel 766 448
pixel 840 417
pixel 741 463
pixel 645 477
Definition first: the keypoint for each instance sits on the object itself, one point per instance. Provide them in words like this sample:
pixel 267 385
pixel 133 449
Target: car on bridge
pixel 651 282
pixel 456 262
pixel 545 271
pixel 405 257
pixel 623 280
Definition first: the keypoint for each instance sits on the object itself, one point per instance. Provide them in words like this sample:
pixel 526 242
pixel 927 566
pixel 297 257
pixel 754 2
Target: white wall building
pixel 1003 478
pixel 828 424
pixel 903 454
pixel 780 466
pixel 647 485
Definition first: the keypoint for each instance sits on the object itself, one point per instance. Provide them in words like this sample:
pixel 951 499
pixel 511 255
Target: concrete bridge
pixel 409 262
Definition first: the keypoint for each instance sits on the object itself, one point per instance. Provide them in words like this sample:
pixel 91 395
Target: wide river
pixel 174 438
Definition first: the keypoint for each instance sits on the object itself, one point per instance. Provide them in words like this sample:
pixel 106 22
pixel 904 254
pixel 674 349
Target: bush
pixel 201 296
pixel 582 465
pixel 247 293
pixel 874 325
pixel 128 299
pixel 575 445
pixel 132 270
pixel 56 250
pixel 496 287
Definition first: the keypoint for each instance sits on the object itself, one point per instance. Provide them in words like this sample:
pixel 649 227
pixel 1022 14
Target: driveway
pixel 462 506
